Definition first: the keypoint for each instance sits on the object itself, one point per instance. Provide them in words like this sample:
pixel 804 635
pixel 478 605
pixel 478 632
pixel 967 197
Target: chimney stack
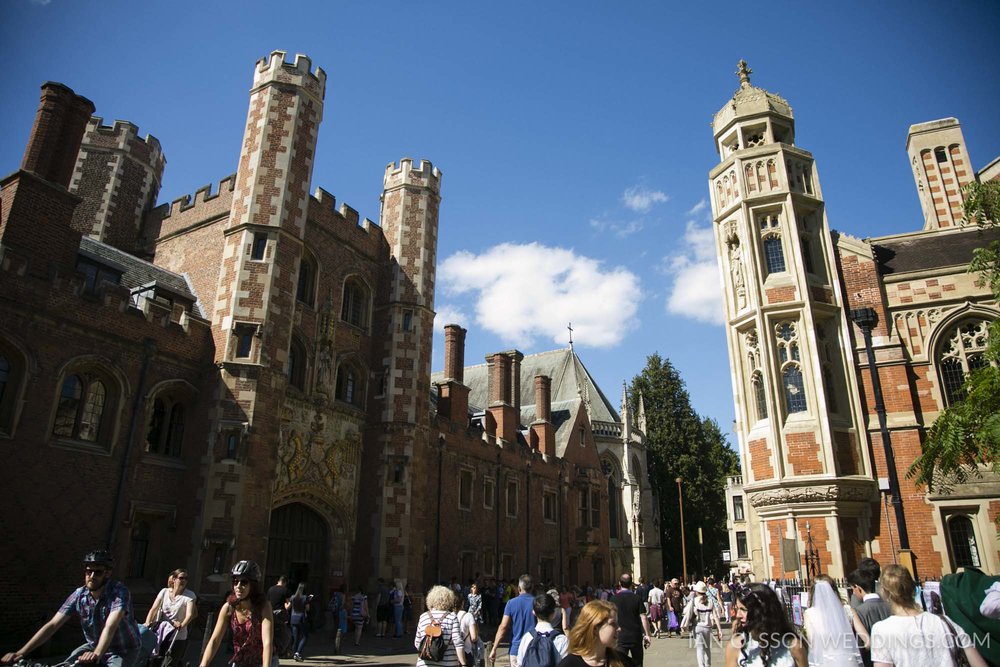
pixel 543 435
pixel 501 392
pixel 56 136
pixel 453 395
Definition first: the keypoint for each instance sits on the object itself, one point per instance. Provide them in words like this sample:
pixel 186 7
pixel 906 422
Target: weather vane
pixel 570 327
pixel 744 72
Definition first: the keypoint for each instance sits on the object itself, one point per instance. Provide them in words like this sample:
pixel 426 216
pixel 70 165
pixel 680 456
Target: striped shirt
pixel 450 630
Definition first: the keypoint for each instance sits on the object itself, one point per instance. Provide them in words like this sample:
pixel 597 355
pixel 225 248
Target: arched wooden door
pixel 297 547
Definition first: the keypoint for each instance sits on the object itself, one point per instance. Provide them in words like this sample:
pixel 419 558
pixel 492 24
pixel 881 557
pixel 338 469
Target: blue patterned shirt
pixel 94 614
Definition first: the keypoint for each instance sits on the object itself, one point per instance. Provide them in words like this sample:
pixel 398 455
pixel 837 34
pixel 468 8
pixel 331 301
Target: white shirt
pixel 176 608
pixel 560 641
pixel 655 595
pixel 915 641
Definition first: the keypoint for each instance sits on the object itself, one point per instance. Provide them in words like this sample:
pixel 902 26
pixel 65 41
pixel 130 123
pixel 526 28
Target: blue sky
pixel 574 138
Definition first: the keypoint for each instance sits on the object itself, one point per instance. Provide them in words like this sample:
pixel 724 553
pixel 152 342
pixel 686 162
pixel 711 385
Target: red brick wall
pixel 760 459
pixel 804 455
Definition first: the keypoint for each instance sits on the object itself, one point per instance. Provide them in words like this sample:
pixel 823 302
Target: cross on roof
pixel 570 327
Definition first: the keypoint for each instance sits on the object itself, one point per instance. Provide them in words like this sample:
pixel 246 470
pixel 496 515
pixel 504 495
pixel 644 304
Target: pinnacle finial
pixel 744 72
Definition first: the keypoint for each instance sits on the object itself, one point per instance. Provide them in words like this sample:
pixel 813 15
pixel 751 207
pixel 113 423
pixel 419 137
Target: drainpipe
pixel 148 350
pixel 437 529
pixel 866 319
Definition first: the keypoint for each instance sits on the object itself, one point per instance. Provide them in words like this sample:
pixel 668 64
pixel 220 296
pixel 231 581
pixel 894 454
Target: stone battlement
pixel 124 136
pixel 344 222
pixel 189 210
pixel 276 69
pixel 424 175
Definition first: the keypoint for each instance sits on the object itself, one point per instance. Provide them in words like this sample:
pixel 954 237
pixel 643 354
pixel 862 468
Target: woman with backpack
pixel 299 608
pixel 439 636
pixel 472 643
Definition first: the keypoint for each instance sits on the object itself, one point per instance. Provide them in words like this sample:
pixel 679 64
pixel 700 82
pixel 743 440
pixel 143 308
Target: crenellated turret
pixel 118 176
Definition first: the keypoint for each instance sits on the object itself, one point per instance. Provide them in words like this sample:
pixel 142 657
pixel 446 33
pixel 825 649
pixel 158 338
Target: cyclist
pixel 104 607
pixel 248 615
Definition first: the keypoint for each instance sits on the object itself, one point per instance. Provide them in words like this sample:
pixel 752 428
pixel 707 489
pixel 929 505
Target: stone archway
pixel 298 546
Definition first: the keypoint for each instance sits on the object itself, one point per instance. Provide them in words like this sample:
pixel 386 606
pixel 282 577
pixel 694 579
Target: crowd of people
pixel 878 623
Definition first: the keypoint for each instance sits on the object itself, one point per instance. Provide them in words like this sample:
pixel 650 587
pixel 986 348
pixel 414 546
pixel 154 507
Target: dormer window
pixel 95 273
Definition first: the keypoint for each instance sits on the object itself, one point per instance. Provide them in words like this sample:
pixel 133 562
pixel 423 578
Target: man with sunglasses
pixel 104 607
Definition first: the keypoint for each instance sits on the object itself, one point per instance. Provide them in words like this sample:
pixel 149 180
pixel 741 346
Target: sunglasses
pixel 95 571
pixel 241 582
pixel 181 578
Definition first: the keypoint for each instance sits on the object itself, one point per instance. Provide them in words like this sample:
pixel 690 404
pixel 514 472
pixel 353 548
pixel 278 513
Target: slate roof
pixel 570 383
pixel 138 272
pixel 918 253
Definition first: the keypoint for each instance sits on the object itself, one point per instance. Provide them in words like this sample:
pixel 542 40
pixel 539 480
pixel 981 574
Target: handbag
pixel 957 652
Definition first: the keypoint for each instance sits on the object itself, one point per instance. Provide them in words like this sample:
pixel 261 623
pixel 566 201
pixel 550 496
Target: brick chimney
pixel 501 393
pixel 543 433
pixel 453 395
pixel 60 122
pixel 36 208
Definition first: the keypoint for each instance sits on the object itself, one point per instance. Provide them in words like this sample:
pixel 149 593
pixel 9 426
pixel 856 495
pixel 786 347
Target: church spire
pixel 642 414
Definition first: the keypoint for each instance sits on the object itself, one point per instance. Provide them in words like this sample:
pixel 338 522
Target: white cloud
pixel 696 291
pixel 639 198
pixel 41 3
pixel 528 291
pixel 448 314
pixel 698 208
pixel 619 228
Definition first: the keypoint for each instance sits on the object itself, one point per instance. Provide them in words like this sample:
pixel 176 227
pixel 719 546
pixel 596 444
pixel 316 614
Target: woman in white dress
pixel 912 637
pixel 762 634
pixel 831 641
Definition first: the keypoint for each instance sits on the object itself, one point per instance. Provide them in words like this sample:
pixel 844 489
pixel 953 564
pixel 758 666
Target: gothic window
pixel 350 384
pixel 166 426
pixel 964 549
pixel 613 474
pixel 354 308
pixel 297 365
pixel 774 253
pixel 759 395
pixel 307 280
pixel 807 259
pixel 83 401
pixel 961 352
pixel 793 384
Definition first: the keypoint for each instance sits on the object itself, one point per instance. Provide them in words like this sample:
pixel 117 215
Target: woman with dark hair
pixel 594 637
pixel 762 634
pixel 299 618
pixel 248 614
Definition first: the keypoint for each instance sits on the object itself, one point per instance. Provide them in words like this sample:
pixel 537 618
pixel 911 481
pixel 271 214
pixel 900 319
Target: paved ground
pixel 398 652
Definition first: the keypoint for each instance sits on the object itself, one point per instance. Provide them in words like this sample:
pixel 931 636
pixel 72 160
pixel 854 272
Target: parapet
pixel 184 212
pixel 425 175
pixel 275 69
pixel 344 223
pixel 124 136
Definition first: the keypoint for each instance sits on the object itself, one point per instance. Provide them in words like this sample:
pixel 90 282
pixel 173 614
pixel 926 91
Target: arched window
pixel 614 498
pixel 165 434
pixel 962 536
pixel 307 280
pixel 759 396
pixel 793 384
pixel 297 364
pixel 81 408
pixel 354 309
pixel 350 384
pixel 961 352
pixel 770 232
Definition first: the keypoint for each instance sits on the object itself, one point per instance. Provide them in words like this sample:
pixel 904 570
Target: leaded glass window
pixel 963 542
pixel 961 353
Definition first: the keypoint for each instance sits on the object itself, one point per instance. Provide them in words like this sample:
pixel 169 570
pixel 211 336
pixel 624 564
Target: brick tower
pixel 255 299
pixel 797 406
pixel 395 514
pixel 941 168
pixel 118 175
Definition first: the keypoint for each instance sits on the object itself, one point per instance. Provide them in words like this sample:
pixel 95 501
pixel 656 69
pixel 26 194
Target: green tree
pixel 966 435
pixel 682 444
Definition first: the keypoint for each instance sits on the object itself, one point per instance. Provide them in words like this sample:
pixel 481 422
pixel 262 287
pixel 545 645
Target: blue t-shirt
pixel 521 619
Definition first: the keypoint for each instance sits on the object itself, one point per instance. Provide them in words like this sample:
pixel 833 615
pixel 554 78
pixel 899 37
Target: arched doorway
pixel 297 547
